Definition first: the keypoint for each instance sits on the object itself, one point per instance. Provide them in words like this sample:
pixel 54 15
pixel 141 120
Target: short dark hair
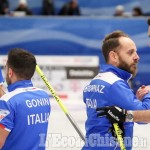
pixel 148 21
pixel 22 63
pixel 111 42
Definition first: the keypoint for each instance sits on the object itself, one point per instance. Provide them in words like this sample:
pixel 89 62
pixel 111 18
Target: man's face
pixel 127 56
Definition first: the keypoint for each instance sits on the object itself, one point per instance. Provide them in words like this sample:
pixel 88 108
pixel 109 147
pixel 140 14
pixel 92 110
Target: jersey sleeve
pixel 122 96
pixel 6 115
pixel 1 77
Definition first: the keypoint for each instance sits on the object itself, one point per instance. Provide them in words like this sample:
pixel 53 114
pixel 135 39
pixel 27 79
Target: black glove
pixel 113 113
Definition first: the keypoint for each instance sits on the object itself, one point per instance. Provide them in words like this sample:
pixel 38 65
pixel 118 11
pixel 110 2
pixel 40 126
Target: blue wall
pixel 73 36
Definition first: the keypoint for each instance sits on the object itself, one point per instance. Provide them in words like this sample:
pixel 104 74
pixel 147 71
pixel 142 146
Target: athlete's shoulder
pixel 43 91
pixel 108 77
pixel 10 95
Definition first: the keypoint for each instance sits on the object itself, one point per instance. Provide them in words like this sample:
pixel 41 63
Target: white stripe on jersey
pixel 7 129
pixel 3 127
pixel 108 77
pixel 9 95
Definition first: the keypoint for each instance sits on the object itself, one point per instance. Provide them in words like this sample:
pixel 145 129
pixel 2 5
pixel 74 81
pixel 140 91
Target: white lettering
pixel 111 114
pixel 91 103
pixel 94 88
pixel 38 102
pixel 28 103
pixel 34 103
pixel 28 118
pixel 37 118
pixel 32 118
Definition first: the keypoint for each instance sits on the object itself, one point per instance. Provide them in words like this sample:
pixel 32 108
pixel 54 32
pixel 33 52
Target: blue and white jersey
pixel 109 88
pixel 24 112
pixel 1 77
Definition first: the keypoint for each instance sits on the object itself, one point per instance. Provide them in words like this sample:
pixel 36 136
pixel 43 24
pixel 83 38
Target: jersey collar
pixel 119 72
pixel 19 84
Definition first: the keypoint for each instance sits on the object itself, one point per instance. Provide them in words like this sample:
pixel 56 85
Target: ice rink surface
pixel 62 135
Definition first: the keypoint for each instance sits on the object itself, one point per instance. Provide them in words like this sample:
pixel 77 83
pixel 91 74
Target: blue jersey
pixel 1 77
pixel 24 112
pixel 109 88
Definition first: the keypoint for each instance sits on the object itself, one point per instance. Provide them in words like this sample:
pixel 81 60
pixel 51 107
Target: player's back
pixel 28 119
pixel 99 130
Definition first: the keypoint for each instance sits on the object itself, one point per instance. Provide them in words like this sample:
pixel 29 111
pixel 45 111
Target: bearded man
pixel 110 88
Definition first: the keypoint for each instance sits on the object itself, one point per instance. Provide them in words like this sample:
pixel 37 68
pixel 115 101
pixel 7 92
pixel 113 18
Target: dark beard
pixel 124 66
